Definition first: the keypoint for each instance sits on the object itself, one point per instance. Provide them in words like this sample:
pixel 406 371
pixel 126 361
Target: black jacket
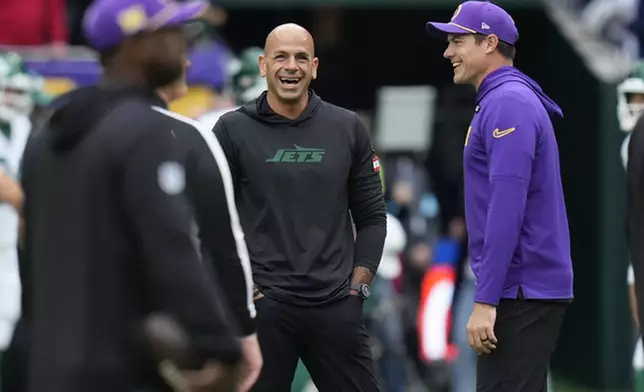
pixel 110 200
pixel 298 185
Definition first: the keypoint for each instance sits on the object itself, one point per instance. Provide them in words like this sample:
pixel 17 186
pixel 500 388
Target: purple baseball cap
pixel 108 22
pixel 477 17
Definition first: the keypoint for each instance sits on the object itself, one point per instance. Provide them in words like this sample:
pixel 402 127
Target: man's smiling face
pixel 468 57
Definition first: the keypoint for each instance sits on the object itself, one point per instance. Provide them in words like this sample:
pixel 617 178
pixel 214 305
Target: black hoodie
pixel 110 238
pixel 298 183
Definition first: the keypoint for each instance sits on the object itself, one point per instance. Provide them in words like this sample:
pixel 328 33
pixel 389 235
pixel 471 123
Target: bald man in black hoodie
pixel 303 169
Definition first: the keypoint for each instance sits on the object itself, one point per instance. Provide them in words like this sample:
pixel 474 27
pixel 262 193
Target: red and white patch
pixel 376 164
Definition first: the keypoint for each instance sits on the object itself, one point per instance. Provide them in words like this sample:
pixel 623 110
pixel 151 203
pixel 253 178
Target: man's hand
pixel 170 346
pixel 252 362
pixel 480 328
pixel 256 293
pixel 361 275
pixel 212 377
pixel 10 191
pixel 632 299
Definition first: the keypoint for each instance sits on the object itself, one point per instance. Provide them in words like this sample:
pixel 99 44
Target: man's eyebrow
pixel 297 54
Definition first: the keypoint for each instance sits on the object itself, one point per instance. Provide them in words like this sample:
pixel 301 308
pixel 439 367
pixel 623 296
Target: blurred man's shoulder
pixel 211 118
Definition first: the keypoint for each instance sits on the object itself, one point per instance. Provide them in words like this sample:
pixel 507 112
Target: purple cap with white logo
pixel 477 17
pixel 108 22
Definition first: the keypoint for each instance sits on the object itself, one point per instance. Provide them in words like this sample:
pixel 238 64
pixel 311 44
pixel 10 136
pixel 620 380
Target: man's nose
pixel 291 64
pixel 448 53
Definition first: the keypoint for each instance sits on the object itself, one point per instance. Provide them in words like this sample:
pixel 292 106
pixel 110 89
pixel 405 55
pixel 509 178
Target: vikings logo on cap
pixel 132 19
pixel 458 9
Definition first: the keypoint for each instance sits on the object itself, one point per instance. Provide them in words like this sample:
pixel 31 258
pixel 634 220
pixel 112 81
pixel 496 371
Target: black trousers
pixel 331 340
pixel 527 333
pixel 13 366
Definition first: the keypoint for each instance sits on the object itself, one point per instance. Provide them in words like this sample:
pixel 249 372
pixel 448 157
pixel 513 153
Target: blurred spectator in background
pixel 245 85
pixel 445 160
pixel 445 167
pixel 411 200
pixel 464 369
pixel 385 319
pixel 33 22
pixel 19 92
pixel 630 106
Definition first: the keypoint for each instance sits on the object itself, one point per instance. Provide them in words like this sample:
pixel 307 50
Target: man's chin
pixel 291 96
pixel 458 79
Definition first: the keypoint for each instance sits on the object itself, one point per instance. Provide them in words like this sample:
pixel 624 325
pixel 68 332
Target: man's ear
pixel 492 43
pixel 314 68
pixel 262 65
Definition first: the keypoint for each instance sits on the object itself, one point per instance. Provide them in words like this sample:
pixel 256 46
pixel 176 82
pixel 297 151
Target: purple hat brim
pixel 440 30
pixel 184 13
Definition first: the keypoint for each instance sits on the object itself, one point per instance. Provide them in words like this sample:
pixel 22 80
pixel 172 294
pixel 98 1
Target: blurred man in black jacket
pixel 115 189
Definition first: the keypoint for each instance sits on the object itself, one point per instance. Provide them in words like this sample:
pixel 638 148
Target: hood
pixel 509 73
pixel 260 110
pixel 76 114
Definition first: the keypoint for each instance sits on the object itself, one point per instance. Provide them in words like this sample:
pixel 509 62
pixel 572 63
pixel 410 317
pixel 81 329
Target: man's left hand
pixel 252 362
pixel 480 328
pixel 10 191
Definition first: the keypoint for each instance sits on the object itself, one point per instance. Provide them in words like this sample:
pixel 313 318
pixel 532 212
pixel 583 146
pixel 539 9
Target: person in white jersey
pixel 17 91
pixel 630 106
pixel 245 85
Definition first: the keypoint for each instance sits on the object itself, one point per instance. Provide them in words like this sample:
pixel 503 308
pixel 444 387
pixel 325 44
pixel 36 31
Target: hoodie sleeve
pixel 157 206
pixel 366 201
pixel 227 146
pixel 220 231
pixel 510 132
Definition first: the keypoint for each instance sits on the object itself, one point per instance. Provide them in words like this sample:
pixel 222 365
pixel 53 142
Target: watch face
pixel 366 291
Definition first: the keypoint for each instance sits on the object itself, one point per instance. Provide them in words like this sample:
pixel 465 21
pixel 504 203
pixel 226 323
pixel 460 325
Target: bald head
pixel 289 34
pixel 289 64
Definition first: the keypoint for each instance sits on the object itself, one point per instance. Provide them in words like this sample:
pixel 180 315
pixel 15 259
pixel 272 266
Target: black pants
pixel 13 366
pixel 527 333
pixel 331 340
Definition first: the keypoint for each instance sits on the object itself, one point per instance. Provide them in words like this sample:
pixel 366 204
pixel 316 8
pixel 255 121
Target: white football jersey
pixel 13 138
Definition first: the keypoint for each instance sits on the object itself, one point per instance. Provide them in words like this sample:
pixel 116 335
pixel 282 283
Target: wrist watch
pixel 362 289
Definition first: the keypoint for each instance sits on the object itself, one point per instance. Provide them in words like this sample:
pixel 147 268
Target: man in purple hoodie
pixel 519 241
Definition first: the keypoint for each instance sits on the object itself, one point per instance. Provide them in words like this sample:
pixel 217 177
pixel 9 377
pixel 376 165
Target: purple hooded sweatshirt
pixel 515 213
